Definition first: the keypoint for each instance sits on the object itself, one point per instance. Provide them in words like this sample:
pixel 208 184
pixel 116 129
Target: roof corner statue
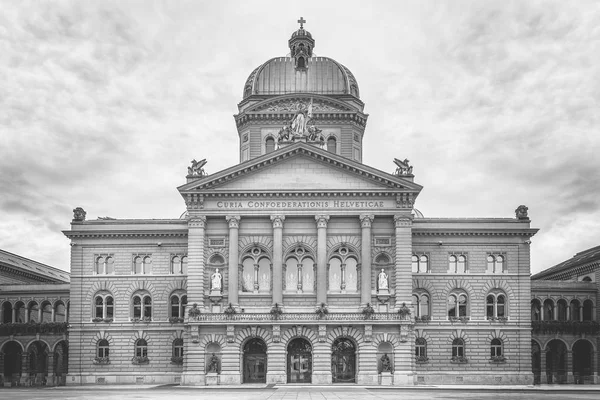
pixel 79 214
pixel 196 169
pixel 404 168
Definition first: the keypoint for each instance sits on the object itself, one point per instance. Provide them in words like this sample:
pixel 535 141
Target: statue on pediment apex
pixel 404 168
pixel 196 169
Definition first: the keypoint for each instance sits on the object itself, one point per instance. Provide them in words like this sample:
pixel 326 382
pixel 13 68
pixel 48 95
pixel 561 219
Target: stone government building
pixel 300 264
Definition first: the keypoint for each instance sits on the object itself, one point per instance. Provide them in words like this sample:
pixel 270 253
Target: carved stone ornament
pixel 194 201
pixel 233 220
pixel 230 333
pixel 196 169
pixel 300 127
pixel 366 220
pixel 198 221
pixel 291 105
pixel 404 200
pixel 322 333
pixel 253 331
pixel 403 167
pixel 405 331
pixel 276 333
pixel 322 220
pixel 79 214
pixel 344 331
pixel 368 333
pixel 521 212
pixel 402 221
pixel 277 220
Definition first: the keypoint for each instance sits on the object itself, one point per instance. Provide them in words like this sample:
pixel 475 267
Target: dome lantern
pixel 301 46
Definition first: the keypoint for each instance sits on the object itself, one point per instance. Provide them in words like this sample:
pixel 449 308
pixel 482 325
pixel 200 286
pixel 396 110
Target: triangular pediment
pixel 301 168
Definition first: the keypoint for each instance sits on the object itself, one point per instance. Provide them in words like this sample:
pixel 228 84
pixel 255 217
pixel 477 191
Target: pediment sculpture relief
pixel 300 126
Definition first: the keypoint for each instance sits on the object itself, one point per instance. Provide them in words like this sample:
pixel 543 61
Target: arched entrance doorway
pixel 582 361
pixel 38 363
pixel 536 362
pixel 343 361
pixel 556 361
pixel 255 361
pixel 12 362
pixel 299 361
pixel 61 359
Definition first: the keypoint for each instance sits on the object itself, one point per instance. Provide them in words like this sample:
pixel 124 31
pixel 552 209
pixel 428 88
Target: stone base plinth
pixel 193 379
pixel 367 378
pixel 321 378
pixel 231 378
pixel 212 379
pixel 403 378
pixel 276 377
pixel 386 379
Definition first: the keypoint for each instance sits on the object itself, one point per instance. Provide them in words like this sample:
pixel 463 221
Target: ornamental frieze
pixel 294 105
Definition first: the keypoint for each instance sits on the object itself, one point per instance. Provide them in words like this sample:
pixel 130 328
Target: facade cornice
pixel 127 234
pixel 8 270
pixel 339 117
pixel 567 274
pixel 474 232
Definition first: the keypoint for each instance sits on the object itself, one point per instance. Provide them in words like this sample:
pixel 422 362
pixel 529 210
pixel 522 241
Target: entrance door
pixel 255 361
pixel 343 361
pixel 299 361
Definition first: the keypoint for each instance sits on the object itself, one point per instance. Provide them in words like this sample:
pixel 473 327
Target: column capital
pixel 322 220
pixel 401 221
pixel 366 220
pixel 198 221
pixel 233 220
pixel 277 220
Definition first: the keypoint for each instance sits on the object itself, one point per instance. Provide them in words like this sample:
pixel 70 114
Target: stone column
pixel 232 289
pixel 543 368
pixel 278 258
pixel 365 291
pixel 24 369
pixel 322 258
pixel 569 366
pixel 14 314
pixel 50 368
pixel 1 368
pixel 195 279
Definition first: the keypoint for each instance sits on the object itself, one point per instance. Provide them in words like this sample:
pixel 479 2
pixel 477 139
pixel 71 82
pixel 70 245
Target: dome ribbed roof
pixel 322 76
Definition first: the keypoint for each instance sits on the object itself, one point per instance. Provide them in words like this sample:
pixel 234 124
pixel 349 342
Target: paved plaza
pixel 300 393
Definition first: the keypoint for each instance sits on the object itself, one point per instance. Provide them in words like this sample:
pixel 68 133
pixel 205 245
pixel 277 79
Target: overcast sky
pixel 103 104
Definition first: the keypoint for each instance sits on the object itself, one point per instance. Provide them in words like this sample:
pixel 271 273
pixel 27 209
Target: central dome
pixel 321 75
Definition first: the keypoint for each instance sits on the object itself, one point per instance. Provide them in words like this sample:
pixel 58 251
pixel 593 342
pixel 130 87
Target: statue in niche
pixel 382 280
pixel 213 365
pixel 216 281
pixel 386 364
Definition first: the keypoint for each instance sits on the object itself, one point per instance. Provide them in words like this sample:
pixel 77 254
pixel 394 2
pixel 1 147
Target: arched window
pixel 46 312
pixel 20 312
pixel 421 350
pixel 179 264
pixel 536 310
pixel 548 310
pixel 496 306
pixel 140 348
pixel 458 350
pixel 588 306
pixel 561 310
pixel 6 312
pixel 586 279
pixel 33 312
pixel 177 351
pixel 142 264
pixel 256 271
pixel 103 307
pixel 178 303
pixel 496 352
pixel 142 307
pixel 105 265
pixel 269 144
pixel 299 271
pixel 496 264
pixel 421 303
pixel 332 145
pixel 575 310
pixel 457 304
pixel 343 271
pixel 102 349
pixel 420 263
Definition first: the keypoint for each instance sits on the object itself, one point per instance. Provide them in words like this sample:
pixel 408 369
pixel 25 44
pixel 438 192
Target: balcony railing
pixel 284 317
pixel 566 327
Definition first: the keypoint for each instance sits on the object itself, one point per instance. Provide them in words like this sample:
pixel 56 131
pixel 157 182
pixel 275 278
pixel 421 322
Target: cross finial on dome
pixel 301 21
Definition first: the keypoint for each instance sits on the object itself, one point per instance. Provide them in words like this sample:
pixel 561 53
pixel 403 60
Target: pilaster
pixel 232 289
pixel 195 280
pixel 322 258
pixel 277 258
pixel 403 289
pixel 365 292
